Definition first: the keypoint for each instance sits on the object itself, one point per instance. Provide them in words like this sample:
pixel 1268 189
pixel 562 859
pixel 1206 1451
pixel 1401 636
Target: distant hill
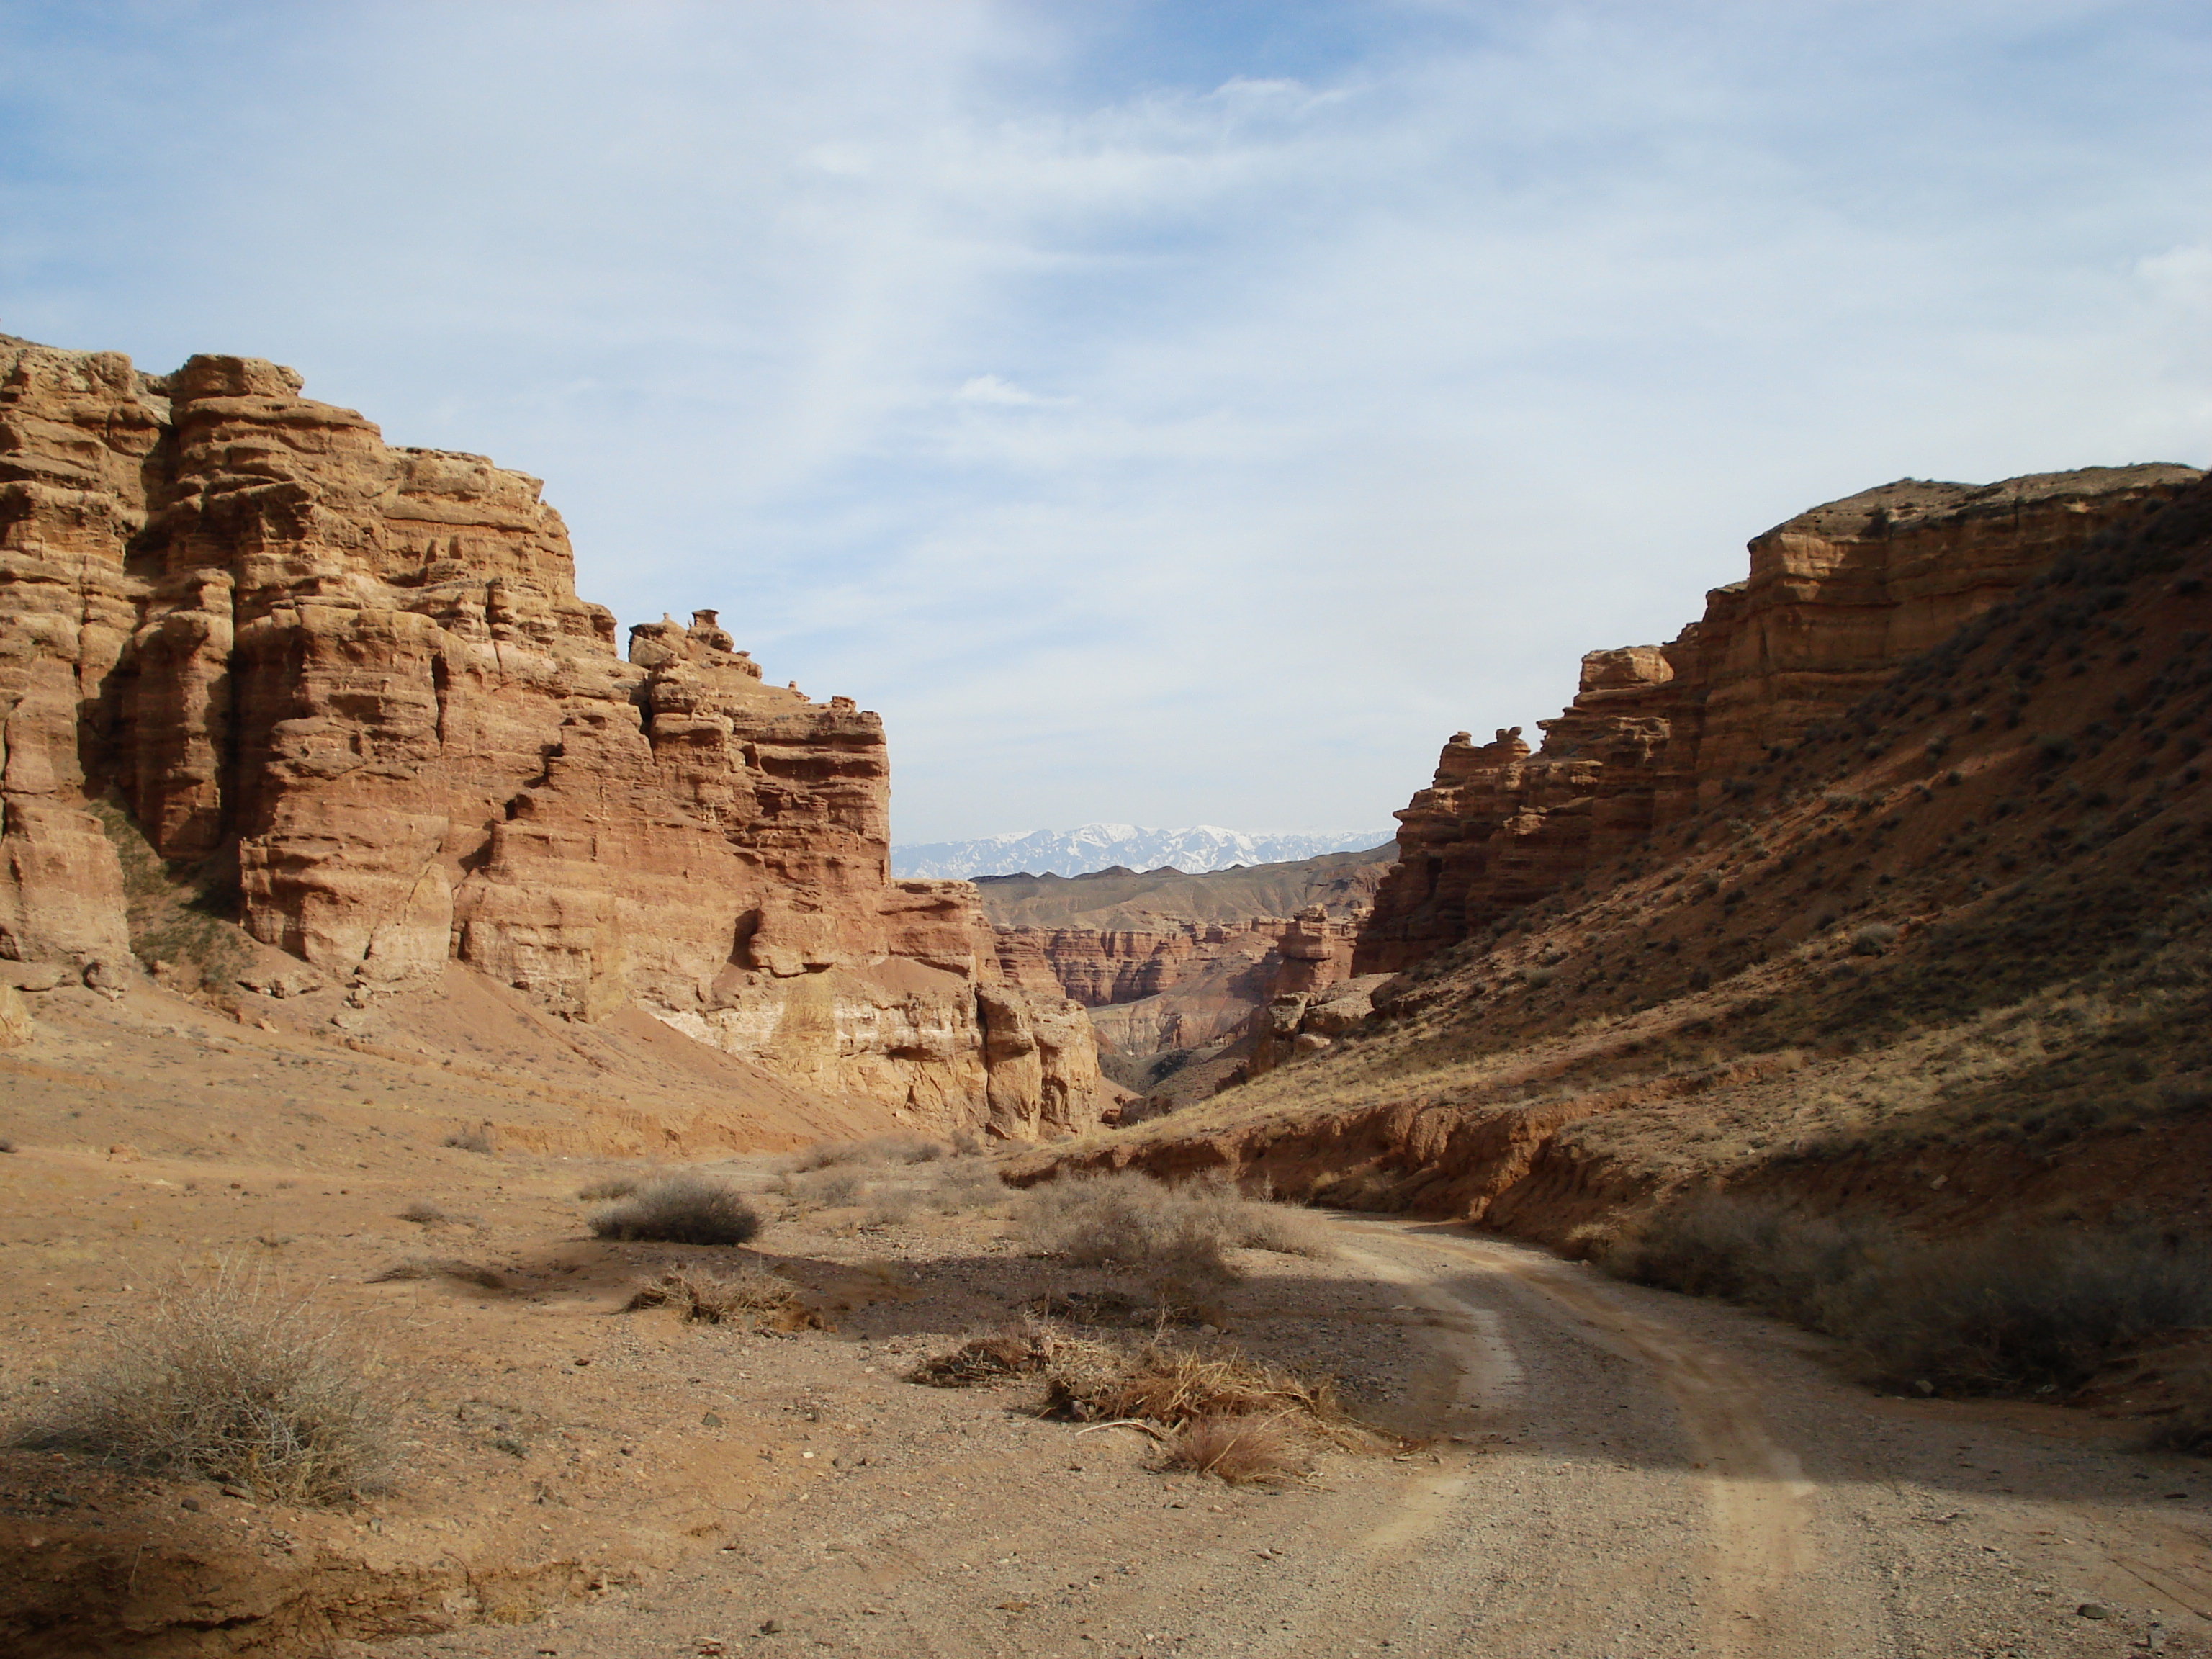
pixel 1076 852
pixel 1341 882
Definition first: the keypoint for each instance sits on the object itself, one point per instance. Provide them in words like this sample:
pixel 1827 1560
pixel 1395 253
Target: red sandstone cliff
pixel 359 676
pixel 1837 598
pixel 1101 966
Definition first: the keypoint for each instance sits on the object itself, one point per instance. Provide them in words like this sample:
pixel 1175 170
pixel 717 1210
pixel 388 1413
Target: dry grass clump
pixel 424 1267
pixel 1241 1450
pixel 470 1140
pixel 1174 1386
pixel 987 1358
pixel 227 1379
pixel 606 1186
pixel 2032 1312
pixel 6 1145
pixel 680 1209
pixel 423 1211
pixel 720 1296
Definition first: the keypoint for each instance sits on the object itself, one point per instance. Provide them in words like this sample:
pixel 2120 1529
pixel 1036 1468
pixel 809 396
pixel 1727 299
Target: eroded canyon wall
pixel 1837 598
pixel 357 678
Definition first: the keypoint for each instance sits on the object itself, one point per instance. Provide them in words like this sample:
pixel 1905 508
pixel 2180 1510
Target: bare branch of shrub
pixel 721 1294
pixel 423 1266
pixel 680 1209
pixel 229 1380
pixel 987 1358
pixel 1175 1385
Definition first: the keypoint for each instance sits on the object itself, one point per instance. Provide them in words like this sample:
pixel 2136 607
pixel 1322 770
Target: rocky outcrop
pixel 358 677
pixel 1837 598
pixel 1098 966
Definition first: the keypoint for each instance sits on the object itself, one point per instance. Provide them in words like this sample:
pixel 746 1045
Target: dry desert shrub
pixel 1170 1234
pixel 965 1185
pixel 6 1145
pixel 720 1295
pixel 892 1207
pixel 1174 1235
pixel 470 1140
pixel 230 1379
pixel 422 1210
pixel 827 1188
pixel 680 1209
pixel 2022 1312
pixel 2189 1429
pixel 424 1267
pixel 1752 1252
pixel 1260 1225
pixel 1242 1450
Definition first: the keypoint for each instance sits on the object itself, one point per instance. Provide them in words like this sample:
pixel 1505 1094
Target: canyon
pixel 1881 892
pixel 344 694
pixel 364 914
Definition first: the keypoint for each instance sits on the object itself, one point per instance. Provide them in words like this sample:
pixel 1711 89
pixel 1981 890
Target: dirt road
pixel 1612 1472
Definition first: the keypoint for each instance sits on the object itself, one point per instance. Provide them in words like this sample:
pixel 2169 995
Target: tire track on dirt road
pixel 1757 1499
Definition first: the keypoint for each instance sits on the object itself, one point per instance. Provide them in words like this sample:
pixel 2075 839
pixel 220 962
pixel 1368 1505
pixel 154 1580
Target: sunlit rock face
pixel 359 676
pixel 1835 599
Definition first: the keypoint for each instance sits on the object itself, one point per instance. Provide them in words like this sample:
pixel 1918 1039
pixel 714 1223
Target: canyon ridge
pixel 346 693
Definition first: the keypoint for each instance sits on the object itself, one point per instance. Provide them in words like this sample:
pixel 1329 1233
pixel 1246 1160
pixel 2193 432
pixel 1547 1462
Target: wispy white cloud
pixel 1163 414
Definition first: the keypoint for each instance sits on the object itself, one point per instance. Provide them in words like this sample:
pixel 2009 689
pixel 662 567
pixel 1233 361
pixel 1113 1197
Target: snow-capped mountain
pixel 1102 846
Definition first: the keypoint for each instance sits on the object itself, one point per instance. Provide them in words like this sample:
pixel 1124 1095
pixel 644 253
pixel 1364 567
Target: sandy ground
pixel 1602 1469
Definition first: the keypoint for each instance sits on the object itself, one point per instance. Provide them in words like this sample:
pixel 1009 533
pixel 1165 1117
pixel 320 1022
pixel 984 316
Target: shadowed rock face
pixel 361 676
pixel 1837 598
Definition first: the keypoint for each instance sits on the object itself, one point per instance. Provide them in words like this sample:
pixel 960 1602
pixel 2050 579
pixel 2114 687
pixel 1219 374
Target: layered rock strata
pixel 1835 599
pixel 359 677
pixel 1099 966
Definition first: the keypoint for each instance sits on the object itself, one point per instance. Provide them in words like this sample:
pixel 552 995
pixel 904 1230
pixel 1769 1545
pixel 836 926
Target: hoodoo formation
pixel 350 686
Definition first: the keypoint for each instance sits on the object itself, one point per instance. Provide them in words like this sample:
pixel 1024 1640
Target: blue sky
pixel 1161 413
